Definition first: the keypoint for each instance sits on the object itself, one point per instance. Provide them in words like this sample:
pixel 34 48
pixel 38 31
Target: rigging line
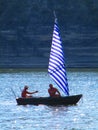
pixel 13 92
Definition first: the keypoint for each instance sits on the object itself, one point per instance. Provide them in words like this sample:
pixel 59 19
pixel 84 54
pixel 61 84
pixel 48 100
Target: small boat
pixel 57 72
pixel 53 101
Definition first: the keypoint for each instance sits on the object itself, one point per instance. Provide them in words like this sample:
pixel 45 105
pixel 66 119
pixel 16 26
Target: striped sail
pixel 56 68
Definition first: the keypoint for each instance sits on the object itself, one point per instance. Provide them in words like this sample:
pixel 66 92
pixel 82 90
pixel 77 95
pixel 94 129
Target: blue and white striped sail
pixel 56 66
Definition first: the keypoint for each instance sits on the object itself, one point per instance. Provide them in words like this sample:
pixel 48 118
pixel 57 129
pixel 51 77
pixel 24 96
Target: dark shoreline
pixel 11 70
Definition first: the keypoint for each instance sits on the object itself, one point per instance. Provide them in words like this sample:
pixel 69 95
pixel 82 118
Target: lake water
pixel 83 116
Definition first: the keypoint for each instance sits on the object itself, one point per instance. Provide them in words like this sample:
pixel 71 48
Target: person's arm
pixel 58 92
pixel 35 92
pixel 31 92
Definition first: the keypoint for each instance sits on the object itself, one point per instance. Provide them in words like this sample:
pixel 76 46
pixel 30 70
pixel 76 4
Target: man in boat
pixel 53 92
pixel 25 93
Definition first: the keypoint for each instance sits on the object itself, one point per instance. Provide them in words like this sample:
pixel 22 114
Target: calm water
pixel 84 116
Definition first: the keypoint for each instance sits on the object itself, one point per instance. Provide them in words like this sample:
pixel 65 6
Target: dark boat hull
pixel 68 100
